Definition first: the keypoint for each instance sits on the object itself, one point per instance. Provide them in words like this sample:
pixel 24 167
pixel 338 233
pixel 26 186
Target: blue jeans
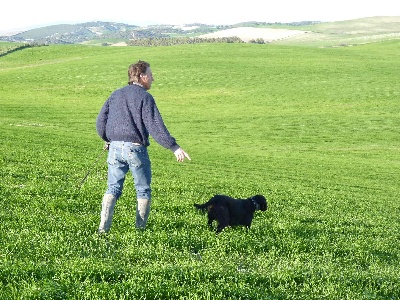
pixel 125 156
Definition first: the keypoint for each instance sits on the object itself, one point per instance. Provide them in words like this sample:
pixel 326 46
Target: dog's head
pixel 260 202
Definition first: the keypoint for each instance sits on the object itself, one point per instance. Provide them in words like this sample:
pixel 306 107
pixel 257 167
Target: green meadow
pixel 316 130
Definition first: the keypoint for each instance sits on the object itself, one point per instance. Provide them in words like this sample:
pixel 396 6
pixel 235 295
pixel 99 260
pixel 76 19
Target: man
pixel 125 122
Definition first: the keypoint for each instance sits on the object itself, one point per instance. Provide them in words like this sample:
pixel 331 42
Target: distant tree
pixel 257 41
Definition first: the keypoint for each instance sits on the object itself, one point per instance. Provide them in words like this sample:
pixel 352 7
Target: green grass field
pixel 316 130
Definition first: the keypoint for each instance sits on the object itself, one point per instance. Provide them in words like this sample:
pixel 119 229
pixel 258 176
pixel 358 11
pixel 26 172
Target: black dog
pixel 228 211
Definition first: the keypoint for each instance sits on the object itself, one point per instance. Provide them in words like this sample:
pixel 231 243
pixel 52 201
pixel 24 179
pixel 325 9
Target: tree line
pixel 168 41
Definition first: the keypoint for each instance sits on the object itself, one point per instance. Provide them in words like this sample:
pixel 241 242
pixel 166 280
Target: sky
pixel 26 14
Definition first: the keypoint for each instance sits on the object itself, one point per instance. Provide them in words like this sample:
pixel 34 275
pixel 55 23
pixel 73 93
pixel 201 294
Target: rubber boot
pixel 142 212
pixel 107 211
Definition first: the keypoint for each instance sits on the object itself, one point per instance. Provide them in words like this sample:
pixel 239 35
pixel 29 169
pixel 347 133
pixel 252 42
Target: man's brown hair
pixel 135 70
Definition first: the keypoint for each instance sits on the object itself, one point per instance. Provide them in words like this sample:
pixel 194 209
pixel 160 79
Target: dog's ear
pixel 259 198
pixel 264 206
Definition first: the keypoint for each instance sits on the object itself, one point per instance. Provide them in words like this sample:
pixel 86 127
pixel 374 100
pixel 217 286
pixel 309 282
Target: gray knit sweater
pixel 130 114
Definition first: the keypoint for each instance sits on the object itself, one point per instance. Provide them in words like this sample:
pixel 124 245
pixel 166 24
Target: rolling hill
pixel 341 33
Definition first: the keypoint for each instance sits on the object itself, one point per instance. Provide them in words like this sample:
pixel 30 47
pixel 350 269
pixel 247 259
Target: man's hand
pixel 106 146
pixel 180 155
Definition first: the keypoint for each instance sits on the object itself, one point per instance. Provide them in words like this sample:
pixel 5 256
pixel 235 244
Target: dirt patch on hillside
pixel 121 44
pixel 250 33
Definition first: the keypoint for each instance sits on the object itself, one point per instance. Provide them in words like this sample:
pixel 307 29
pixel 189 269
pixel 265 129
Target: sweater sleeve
pixel 155 125
pixel 101 121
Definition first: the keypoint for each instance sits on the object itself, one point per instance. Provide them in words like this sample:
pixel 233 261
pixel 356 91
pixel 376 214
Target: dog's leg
pixel 211 215
pixel 223 218
pixel 210 220
pixel 221 226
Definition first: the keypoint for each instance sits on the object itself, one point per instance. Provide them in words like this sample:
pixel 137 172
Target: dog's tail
pixel 201 207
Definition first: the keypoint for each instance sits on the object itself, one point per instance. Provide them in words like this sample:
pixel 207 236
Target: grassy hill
pixel 357 31
pixel 74 33
pixel 351 32
pixel 316 130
